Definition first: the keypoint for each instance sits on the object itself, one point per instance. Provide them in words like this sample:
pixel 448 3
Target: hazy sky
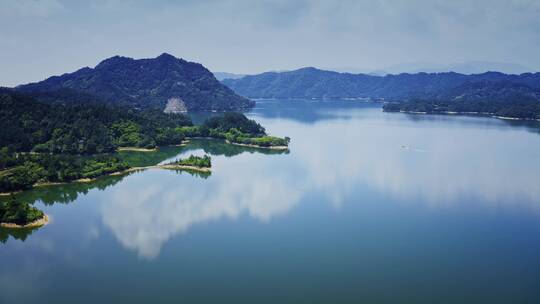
pixel 43 38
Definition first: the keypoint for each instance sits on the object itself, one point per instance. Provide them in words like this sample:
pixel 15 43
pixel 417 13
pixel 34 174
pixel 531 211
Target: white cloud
pixel 30 8
pixel 143 218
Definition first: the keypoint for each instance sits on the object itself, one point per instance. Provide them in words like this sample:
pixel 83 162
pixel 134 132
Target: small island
pixel 17 214
pixel 195 163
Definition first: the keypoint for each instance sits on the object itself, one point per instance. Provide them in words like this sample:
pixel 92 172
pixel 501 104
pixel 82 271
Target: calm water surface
pixel 367 206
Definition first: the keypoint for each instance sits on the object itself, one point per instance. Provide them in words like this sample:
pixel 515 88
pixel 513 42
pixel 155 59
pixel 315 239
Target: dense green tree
pixel 195 161
pixel 235 128
pixel 237 121
pixel 29 169
pixel 75 128
pixel 18 212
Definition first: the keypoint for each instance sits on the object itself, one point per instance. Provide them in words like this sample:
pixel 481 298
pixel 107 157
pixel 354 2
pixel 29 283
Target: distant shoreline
pixel 474 114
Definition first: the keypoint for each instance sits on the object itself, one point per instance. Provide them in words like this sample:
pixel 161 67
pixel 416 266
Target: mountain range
pixel 165 82
pixel 315 83
pixel 174 85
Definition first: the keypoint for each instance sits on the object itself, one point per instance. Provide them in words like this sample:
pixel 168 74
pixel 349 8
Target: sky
pixel 39 39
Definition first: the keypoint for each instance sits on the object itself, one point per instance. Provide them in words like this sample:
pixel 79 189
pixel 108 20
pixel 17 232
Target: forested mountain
pixel 141 83
pixel 31 125
pixel 315 83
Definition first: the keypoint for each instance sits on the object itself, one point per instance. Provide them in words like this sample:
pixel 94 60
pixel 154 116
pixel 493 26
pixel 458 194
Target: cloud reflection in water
pixel 335 159
pixel 143 215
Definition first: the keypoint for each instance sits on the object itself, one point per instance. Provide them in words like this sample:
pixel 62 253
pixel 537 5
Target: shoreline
pixel 89 180
pixel 80 180
pixel 183 143
pixel 136 149
pixel 202 137
pixel 477 114
pixel 282 148
pixel 243 145
pixel 10 193
pixel 185 167
pixel 37 223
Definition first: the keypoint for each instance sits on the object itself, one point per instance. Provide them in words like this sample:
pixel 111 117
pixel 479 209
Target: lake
pixel 367 207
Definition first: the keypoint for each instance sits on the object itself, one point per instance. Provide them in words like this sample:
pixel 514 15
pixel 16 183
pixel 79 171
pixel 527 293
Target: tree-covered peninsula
pixel 236 128
pixel 32 126
pixel 53 143
pixel 44 143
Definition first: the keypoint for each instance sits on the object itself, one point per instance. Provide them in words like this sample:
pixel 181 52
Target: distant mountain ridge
pixel 469 67
pixel 466 67
pixel 144 83
pixel 225 75
pixel 315 83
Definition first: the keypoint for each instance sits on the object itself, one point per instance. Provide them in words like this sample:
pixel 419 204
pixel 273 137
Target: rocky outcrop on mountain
pixel 175 105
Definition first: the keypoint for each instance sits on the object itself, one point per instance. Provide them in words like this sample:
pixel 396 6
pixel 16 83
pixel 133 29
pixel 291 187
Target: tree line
pixel 22 171
pixel 195 161
pixel 236 128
